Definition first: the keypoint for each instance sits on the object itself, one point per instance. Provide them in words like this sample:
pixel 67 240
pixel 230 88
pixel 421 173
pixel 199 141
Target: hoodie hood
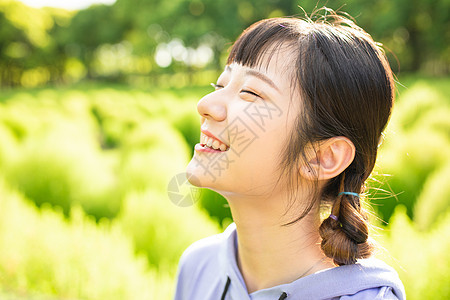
pixel 365 275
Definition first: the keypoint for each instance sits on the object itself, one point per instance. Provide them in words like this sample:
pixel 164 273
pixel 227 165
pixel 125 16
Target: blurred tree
pixel 404 27
pixel 417 32
pixel 13 46
pixel 22 34
pixel 37 45
pixel 89 29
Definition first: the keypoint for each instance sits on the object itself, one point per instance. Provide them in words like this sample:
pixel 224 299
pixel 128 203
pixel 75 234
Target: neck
pixel 269 252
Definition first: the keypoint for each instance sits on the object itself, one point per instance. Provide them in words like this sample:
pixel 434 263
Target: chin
pixel 194 173
pixel 202 177
pixel 194 180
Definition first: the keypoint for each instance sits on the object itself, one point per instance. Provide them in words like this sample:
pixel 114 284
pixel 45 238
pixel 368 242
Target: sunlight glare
pixel 67 4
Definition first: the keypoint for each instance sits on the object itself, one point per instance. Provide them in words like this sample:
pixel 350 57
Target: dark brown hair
pixel 347 89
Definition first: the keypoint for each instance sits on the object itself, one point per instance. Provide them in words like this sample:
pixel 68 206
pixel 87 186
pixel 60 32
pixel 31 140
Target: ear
pixel 330 158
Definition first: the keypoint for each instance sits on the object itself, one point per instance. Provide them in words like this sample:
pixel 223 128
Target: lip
pixel 206 132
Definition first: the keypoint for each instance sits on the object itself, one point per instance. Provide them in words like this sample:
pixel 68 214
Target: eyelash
pixel 250 92
pixel 218 86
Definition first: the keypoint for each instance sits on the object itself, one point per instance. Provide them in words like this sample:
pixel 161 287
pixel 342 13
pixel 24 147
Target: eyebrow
pixel 258 75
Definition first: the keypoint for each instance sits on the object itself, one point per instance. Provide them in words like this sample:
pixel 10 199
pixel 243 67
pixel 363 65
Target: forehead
pixel 269 55
pixel 277 63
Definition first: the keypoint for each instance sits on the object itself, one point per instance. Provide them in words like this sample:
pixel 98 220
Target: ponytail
pixel 345 233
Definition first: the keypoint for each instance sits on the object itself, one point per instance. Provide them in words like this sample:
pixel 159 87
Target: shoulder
pixel 378 293
pixel 376 280
pixel 201 252
pixel 367 279
pixel 200 265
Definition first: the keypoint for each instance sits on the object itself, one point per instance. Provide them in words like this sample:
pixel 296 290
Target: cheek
pixel 259 131
pixel 265 151
pixel 259 163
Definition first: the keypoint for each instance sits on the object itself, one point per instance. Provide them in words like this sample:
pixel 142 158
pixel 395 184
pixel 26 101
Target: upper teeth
pixel 212 143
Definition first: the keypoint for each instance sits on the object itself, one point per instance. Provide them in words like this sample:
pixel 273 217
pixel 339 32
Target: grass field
pixel 84 212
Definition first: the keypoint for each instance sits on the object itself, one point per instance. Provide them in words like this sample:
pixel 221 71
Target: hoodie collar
pixel 325 284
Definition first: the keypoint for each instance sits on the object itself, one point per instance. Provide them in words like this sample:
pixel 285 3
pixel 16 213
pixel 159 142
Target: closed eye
pixel 250 92
pixel 216 86
pixel 219 86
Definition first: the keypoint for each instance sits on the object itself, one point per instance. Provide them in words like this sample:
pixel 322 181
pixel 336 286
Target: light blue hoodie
pixel 208 271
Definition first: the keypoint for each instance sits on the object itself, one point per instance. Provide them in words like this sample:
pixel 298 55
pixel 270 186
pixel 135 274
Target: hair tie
pixel 349 193
pixel 333 217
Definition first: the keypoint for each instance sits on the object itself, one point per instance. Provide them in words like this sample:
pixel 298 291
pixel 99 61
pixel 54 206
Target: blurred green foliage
pixel 217 207
pixel 84 211
pixel 44 254
pixel 415 154
pixel 422 258
pixel 84 206
pixel 161 230
pixel 180 42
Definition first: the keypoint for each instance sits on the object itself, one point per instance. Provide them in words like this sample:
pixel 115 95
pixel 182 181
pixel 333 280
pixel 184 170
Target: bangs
pixel 259 42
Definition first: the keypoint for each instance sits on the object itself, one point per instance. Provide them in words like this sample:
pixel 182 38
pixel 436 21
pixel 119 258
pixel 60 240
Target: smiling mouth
pixel 212 143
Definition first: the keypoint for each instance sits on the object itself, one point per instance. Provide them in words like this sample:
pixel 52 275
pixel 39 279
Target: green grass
pixel 422 258
pixel 84 211
pixel 96 161
pixel 417 145
pixel 44 254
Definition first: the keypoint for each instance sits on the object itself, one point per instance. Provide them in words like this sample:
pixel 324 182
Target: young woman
pixel 289 137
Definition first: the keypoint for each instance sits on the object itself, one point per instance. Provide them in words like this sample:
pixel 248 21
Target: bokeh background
pixel 98 114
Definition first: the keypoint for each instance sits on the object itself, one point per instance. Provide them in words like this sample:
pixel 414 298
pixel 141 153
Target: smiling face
pixel 261 140
pixel 245 124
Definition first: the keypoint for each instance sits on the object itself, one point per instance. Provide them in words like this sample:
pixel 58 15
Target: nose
pixel 212 107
